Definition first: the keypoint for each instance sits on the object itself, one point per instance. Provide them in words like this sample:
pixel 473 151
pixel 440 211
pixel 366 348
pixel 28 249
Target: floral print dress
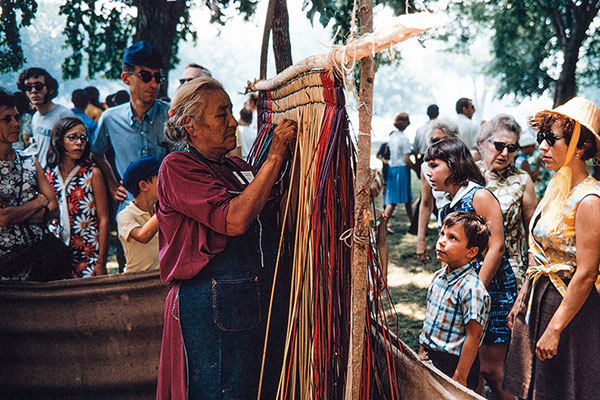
pixel 508 185
pixel 78 223
pixel 16 176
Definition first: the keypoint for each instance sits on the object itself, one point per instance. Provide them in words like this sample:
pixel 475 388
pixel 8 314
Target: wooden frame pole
pixel 361 224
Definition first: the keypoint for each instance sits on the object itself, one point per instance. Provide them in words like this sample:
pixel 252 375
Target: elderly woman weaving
pixel 556 318
pixel 213 250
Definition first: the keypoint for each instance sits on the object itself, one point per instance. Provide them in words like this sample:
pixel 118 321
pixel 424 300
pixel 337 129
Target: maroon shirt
pixel 193 204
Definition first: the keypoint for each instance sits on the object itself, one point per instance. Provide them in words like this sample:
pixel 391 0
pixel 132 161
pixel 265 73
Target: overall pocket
pixel 236 304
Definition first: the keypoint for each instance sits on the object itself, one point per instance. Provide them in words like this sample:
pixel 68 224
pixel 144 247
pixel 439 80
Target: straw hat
pixel 579 109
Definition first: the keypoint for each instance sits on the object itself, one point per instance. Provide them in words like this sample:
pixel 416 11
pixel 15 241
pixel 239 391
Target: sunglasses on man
pixel 146 76
pixel 37 86
pixel 511 148
pixel 549 137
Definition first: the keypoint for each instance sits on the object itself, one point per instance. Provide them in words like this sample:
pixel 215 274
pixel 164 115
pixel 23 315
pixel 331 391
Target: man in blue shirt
pixel 134 129
pixel 80 102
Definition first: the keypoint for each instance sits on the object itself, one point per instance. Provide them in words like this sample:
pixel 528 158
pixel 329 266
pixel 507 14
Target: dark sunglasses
pixel 37 86
pixel 182 81
pixel 510 147
pixel 549 137
pixel 146 76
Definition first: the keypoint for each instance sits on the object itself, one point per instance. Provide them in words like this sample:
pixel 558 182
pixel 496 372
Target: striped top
pixel 453 299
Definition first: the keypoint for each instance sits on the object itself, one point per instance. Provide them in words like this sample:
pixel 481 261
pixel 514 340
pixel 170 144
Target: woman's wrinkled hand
pixel 547 346
pixel 283 135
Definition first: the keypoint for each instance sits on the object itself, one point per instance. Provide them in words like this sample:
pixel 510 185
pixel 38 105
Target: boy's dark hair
pixel 56 150
pixel 246 115
pixel 51 83
pixel 6 99
pixel 433 111
pixel 476 230
pixel 456 154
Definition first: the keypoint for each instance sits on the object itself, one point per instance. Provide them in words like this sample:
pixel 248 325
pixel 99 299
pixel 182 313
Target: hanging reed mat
pixel 318 210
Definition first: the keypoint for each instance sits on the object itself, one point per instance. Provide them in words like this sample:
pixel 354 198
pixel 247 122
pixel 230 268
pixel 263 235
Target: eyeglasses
pixel 37 86
pixel 512 147
pixel 549 137
pixel 186 80
pixel 146 76
pixel 75 138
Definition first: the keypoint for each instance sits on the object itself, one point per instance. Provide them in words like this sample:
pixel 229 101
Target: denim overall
pixel 223 319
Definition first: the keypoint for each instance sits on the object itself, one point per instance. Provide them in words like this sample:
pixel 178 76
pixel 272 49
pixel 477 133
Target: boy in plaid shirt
pixel 458 305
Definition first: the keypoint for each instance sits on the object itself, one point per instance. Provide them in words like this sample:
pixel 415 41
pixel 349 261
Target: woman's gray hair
pixel 188 104
pixel 446 125
pixel 501 122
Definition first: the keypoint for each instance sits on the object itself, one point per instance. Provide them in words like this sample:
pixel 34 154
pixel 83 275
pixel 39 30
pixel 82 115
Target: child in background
pixel 138 225
pixel 458 305
pixel 453 170
pixel 82 198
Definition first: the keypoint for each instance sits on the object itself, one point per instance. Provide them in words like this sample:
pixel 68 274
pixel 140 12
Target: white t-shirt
pixel 399 146
pixel 41 127
pixel 248 136
pixel 140 256
pixel 467 130
pixel 422 138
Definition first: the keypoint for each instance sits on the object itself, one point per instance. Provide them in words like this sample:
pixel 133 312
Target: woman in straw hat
pixel 555 347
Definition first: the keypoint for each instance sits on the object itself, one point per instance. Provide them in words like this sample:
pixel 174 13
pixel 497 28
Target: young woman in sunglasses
pixel 452 170
pixel 554 353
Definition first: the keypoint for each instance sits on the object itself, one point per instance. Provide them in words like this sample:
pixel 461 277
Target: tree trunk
pixel 264 49
pixel 361 213
pixel 566 86
pixel 157 23
pixel 282 48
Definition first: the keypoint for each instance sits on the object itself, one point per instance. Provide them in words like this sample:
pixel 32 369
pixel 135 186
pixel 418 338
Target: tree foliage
pixel 15 14
pixel 98 32
pixel 537 45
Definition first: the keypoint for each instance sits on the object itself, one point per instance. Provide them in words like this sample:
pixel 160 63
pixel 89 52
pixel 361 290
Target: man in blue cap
pixel 134 129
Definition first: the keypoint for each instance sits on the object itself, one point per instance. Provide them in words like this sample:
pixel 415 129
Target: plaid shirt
pixel 453 299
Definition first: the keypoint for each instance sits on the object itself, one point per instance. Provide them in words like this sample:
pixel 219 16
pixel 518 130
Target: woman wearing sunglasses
pixel 498 142
pixel 555 322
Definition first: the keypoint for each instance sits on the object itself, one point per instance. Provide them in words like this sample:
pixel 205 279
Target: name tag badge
pixel 248 176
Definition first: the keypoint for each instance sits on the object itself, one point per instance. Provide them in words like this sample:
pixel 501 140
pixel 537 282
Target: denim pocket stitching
pixel 235 323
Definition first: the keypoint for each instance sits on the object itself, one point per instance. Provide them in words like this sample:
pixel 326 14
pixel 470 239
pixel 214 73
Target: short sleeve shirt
pixel 41 127
pixel 194 199
pixel 453 299
pixel 140 256
pixel 399 146
pixel 130 138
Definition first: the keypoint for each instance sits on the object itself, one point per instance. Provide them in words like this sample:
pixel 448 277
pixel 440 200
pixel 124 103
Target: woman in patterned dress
pixel 25 196
pixel 452 170
pixel 83 224
pixel 498 142
pixel 554 353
